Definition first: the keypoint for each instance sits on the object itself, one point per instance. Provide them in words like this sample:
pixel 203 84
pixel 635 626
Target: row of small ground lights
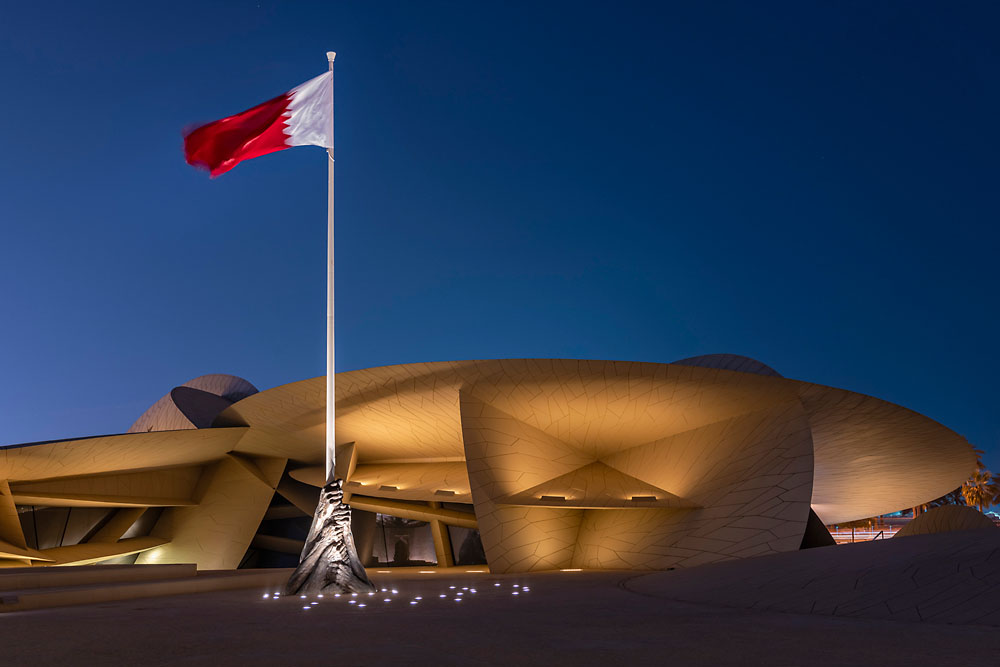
pixel 454 592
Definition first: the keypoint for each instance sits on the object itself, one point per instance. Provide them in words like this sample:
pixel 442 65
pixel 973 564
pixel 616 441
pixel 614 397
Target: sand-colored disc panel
pixel 946 519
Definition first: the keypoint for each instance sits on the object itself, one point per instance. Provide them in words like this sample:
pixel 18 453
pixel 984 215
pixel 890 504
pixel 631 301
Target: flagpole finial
pixel 330 55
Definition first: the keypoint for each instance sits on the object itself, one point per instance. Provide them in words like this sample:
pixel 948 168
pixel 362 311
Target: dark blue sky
pixel 810 184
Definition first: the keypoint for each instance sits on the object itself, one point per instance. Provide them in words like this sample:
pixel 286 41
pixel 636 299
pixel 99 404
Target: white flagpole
pixel 331 442
pixel 329 560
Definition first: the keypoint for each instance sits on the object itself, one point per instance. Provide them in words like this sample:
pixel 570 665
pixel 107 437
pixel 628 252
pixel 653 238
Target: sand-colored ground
pixel 577 618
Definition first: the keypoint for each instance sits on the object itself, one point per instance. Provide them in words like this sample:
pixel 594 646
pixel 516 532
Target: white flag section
pixel 310 113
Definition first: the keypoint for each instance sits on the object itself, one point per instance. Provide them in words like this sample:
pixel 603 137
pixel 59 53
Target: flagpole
pixel 331 441
pixel 329 562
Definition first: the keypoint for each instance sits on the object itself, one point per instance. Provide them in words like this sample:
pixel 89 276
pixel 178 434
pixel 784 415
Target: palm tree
pixel 979 489
pixel 979 458
pixel 950 498
pixel 994 491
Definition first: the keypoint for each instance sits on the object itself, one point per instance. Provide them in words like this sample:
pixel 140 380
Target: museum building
pixel 518 464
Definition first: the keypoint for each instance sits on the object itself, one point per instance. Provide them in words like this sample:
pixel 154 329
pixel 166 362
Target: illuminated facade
pixel 526 464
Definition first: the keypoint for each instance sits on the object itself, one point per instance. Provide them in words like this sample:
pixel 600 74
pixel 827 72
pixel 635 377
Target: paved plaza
pixel 462 618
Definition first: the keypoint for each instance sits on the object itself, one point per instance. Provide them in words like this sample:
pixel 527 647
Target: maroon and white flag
pixel 301 117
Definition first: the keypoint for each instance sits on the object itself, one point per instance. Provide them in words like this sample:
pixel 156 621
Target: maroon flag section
pixel 301 117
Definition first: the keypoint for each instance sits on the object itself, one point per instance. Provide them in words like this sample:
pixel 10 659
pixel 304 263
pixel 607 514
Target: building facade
pixel 525 464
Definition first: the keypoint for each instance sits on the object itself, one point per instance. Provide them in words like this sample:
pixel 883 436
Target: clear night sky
pixel 814 185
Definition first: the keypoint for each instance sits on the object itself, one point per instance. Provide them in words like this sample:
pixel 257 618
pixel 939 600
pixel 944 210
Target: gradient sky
pixel 814 185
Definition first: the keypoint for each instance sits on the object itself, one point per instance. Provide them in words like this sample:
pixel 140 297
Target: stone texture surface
pixel 871 457
pixel 163 487
pixel 749 477
pixel 164 415
pixel 729 362
pixel 571 618
pixel 116 453
pixel 734 488
pixel 216 531
pixel 943 578
pixel 945 519
pixel 551 452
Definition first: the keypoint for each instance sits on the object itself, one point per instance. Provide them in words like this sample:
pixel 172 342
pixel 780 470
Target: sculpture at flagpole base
pixel 329 561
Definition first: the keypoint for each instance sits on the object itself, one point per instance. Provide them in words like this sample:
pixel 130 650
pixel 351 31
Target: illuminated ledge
pixel 412 511
pixel 8 550
pixel 632 502
pixel 95 500
pixel 94 552
pixel 596 485
pixel 417 480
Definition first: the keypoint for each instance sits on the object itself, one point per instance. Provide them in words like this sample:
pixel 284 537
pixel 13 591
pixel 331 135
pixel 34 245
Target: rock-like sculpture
pixel 329 561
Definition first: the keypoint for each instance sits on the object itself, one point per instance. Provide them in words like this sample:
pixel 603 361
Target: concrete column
pixel 10 522
pixel 442 541
pixel 363 527
pixel 118 524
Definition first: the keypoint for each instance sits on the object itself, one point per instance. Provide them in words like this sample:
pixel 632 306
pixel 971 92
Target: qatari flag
pixel 301 117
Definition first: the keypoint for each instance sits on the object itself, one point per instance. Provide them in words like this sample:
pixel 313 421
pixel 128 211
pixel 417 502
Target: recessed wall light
pixel 644 498
pixel 386 487
pixel 444 492
pixel 553 498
